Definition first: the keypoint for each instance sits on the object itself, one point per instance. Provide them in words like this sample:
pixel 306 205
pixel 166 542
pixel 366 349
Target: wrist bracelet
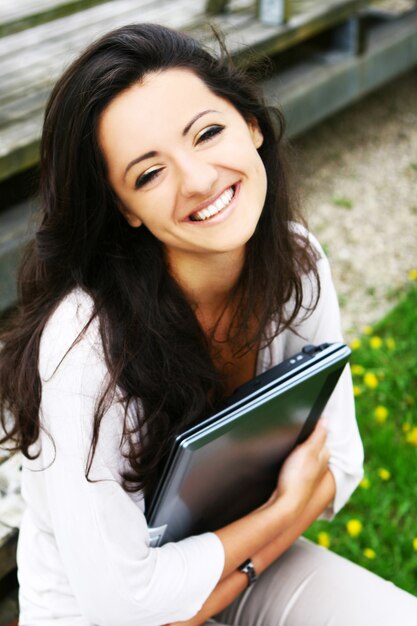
pixel 248 568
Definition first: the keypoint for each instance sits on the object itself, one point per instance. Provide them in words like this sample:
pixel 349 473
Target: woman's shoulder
pixel 71 323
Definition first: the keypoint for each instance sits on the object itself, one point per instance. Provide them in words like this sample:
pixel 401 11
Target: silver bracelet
pixel 249 569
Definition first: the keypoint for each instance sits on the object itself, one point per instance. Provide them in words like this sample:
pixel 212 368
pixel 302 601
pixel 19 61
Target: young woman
pixel 167 269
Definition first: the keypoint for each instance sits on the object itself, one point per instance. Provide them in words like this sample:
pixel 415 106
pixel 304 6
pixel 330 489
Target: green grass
pixel 387 358
pixel 343 203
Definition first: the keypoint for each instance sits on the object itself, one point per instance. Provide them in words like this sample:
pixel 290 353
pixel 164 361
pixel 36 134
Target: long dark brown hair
pixel 153 344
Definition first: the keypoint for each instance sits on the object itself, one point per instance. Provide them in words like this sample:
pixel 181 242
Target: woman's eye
pixel 209 133
pixel 147 177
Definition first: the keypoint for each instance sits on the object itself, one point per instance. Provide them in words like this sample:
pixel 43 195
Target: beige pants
pixel 312 586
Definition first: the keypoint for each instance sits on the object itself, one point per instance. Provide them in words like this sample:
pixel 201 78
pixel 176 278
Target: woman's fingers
pixel 305 466
pixel 319 435
pixel 317 442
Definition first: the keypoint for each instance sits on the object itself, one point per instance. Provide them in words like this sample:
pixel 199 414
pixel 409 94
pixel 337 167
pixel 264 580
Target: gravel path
pixel 358 184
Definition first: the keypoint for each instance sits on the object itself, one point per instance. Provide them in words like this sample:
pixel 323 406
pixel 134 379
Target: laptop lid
pixel 226 465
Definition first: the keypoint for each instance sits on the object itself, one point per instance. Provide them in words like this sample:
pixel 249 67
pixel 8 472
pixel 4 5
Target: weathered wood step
pixel 15 232
pixel 252 37
pixel 32 60
pixel 17 16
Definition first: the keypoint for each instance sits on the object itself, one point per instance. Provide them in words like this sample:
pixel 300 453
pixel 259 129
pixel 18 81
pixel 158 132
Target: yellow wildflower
pixel 384 474
pixel 375 342
pixel 370 380
pixel 323 539
pixel 357 370
pixel 412 274
pixel 356 390
pixel 355 344
pixel 390 343
pixel 381 414
pixel 365 483
pixel 415 543
pixel 354 527
pixel 367 330
pixel 406 427
pixel 369 553
pixel 412 436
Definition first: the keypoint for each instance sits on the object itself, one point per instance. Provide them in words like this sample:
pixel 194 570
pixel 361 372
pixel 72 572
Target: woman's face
pixel 184 163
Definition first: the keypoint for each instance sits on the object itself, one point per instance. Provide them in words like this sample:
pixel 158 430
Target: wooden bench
pixel 319 85
pixel 32 60
pixel 16 16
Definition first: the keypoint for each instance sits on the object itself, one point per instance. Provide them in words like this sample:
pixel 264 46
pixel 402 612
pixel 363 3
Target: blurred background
pixel 344 72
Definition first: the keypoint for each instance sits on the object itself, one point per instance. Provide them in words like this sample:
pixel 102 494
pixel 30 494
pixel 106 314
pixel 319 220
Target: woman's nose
pixel 197 176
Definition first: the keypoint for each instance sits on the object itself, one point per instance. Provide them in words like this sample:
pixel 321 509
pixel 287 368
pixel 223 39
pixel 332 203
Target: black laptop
pixel 226 465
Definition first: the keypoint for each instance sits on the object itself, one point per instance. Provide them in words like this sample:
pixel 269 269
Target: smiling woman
pixel 168 268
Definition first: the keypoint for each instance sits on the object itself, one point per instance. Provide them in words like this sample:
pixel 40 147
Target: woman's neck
pixel 207 281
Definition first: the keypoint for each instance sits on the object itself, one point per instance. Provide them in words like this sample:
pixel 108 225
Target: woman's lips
pixel 218 210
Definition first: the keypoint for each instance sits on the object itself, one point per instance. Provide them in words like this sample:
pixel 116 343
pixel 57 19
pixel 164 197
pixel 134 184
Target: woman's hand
pixel 303 470
pixel 228 588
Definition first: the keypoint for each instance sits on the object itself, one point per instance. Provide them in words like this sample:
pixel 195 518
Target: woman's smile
pixel 216 208
pixel 190 172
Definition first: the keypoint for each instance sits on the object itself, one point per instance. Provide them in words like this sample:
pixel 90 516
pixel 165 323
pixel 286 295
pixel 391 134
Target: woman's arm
pixel 229 588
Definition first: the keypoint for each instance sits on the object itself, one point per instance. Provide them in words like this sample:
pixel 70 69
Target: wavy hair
pixel 151 338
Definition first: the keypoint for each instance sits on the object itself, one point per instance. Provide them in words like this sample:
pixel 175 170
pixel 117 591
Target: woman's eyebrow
pixel 195 118
pixel 153 153
pixel 147 155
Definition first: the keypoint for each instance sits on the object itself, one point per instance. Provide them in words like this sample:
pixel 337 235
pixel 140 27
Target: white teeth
pixel 212 209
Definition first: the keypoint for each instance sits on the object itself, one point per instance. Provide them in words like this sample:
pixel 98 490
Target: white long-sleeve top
pixel 84 556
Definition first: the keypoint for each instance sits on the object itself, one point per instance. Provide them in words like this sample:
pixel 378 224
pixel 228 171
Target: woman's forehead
pixel 167 93
pixel 163 103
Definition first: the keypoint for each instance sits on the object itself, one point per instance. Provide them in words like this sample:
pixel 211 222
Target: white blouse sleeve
pixel 100 530
pixel 320 326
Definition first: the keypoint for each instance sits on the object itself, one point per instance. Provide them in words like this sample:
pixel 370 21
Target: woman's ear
pixel 256 133
pixel 129 216
pixel 132 219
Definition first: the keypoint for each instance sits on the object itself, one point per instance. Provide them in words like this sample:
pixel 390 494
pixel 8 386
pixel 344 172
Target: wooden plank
pixel 15 231
pixel 17 16
pixel 99 20
pixel 19 146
